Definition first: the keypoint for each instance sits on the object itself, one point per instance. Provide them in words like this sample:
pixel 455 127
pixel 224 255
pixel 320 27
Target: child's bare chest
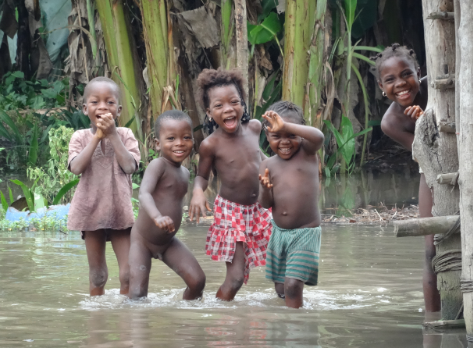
pixel 173 185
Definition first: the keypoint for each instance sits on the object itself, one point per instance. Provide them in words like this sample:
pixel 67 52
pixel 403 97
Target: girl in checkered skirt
pixel 241 229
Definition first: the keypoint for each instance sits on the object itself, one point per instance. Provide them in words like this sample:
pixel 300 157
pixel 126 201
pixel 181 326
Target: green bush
pixel 54 174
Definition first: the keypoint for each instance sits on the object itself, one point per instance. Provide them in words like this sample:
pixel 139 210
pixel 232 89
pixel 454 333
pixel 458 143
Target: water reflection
pixel 369 296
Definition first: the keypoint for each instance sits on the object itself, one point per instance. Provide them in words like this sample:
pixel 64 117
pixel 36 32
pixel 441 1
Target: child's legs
pixel 180 259
pixel 98 273
pixel 279 289
pixel 293 292
pixel 431 293
pixel 235 274
pixel 121 246
pixel 140 267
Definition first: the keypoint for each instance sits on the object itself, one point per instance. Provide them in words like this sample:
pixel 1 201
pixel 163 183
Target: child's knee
pixel 98 277
pixel 124 276
pixel 237 282
pixel 293 288
pixel 197 283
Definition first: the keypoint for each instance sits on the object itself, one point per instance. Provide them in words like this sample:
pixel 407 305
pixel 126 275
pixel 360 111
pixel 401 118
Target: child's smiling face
pixel 399 79
pixel 225 107
pixel 175 140
pixel 101 98
pixel 284 144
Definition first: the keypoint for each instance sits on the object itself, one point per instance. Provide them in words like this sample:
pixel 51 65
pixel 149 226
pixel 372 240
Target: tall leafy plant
pixel 352 52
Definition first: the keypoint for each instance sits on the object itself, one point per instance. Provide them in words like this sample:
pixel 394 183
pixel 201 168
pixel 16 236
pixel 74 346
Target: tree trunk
pixel 241 33
pixel 464 120
pixel 317 58
pixel 298 32
pixel 120 52
pixel 436 151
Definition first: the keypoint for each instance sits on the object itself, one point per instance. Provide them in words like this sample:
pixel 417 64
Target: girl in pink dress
pixel 105 156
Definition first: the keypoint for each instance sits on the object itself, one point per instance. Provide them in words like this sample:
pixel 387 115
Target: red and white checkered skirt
pixel 233 222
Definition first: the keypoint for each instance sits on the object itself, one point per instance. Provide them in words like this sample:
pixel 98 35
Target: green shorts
pixel 293 254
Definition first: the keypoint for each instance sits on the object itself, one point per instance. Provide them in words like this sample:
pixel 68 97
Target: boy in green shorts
pixel 290 186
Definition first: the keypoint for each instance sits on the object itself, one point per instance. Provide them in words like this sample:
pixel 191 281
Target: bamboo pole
pixel 464 120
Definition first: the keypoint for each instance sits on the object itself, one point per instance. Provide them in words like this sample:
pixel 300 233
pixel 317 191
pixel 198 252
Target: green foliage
pixel 27 192
pixel 55 181
pixel 346 146
pixel 45 223
pixel 73 118
pixel 272 92
pixel 264 32
pixel 16 93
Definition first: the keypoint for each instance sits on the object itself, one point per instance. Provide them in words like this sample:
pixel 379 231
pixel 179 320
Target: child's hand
pixel 197 207
pixel 99 134
pixel 165 223
pixel 264 179
pixel 106 124
pixel 276 122
pixel 414 112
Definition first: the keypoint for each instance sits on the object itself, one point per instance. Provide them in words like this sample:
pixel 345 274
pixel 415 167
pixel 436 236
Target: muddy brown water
pixel 369 295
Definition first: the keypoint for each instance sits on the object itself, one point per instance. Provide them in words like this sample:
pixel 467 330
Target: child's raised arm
pixel 265 196
pixel 199 203
pixel 312 138
pixel 124 158
pixel 152 175
pixel 81 161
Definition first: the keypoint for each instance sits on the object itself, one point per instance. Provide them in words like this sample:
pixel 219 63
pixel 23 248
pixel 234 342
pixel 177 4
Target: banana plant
pixel 346 146
pixel 352 52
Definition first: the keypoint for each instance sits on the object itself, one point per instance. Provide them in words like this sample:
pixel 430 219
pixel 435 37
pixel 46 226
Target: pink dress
pixel 103 197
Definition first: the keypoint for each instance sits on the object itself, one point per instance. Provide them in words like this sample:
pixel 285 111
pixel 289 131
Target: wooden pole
pixel 464 22
pixel 424 226
pixel 241 33
pixel 436 151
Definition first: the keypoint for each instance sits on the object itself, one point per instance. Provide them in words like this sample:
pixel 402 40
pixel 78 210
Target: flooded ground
pixel 369 296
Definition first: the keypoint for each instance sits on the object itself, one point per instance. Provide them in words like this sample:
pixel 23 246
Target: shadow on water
pixel 369 296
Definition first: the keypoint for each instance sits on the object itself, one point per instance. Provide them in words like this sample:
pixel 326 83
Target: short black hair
pixel 286 109
pixel 101 79
pixel 173 115
pixel 395 50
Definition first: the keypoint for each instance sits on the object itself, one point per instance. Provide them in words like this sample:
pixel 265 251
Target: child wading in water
pixel 399 78
pixel 162 192
pixel 105 156
pixel 241 228
pixel 290 186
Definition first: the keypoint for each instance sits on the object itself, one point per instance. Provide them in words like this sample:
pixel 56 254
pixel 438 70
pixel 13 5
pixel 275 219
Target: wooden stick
pixel 445 324
pixel 424 226
pixel 449 16
pixel 444 83
pixel 447 127
pixel 448 179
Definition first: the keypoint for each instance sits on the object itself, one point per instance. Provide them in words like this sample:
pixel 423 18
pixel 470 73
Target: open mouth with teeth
pixel 179 153
pixel 403 94
pixel 230 122
pixel 284 150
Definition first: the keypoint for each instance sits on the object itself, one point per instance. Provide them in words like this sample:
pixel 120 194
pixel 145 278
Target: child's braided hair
pixel 210 78
pixel 395 50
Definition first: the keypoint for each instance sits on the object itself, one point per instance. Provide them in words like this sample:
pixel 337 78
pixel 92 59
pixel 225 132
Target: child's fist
pixel 414 112
pixel 165 223
pixel 264 179
pixel 275 121
pixel 106 124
